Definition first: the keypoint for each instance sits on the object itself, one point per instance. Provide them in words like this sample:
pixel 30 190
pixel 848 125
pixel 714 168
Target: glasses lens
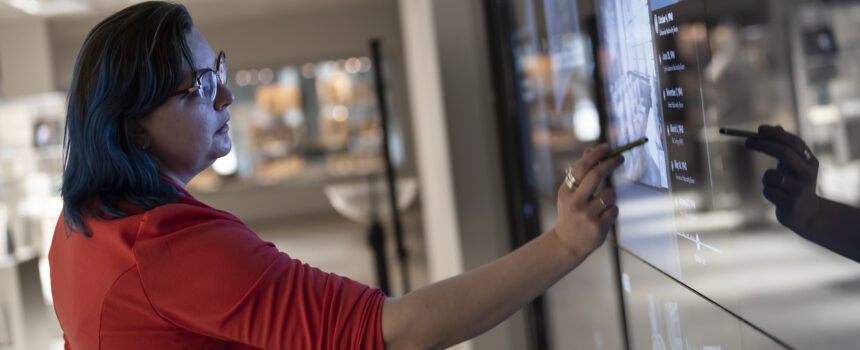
pixel 222 68
pixel 208 85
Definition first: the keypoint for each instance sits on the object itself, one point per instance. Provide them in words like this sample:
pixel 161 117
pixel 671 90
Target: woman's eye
pixel 194 94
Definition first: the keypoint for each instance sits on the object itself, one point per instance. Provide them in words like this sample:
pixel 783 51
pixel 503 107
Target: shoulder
pixel 185 247
pixel 193 229
pixel 169 218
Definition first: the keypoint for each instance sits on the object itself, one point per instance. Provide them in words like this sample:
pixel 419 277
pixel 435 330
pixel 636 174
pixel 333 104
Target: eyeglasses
pixel 207 80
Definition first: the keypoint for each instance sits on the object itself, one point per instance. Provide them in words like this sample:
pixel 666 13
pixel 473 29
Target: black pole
pixel 402 254
pixel 376 239
pixel 515 140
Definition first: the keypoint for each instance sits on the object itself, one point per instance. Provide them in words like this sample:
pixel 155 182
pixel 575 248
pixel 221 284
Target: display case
pixel 316 121
pixel 826 52
pixel 31 129
pixel 699 258
pixel 545 69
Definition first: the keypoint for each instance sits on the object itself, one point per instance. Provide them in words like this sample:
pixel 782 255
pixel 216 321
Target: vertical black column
pixel 515 141
pixel 390 176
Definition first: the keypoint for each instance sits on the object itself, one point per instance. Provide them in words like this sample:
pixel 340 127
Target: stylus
pixel 617 151
pixel 738 133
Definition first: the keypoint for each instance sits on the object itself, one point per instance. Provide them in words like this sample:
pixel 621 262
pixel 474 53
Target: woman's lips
pixel 223 129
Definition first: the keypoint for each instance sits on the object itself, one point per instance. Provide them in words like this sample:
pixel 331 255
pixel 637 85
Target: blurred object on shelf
pixel 334 127
pixel 278 99
pixel 276 170
pixel 30 168
pixel 47 133
pixel 354 200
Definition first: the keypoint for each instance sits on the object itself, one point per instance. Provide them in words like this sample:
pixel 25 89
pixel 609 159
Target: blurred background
pixel 488 102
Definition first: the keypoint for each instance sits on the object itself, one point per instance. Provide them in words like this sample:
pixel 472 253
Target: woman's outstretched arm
pixel 451 311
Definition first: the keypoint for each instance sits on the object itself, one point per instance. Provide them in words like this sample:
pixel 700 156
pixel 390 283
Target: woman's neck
pixel 179 180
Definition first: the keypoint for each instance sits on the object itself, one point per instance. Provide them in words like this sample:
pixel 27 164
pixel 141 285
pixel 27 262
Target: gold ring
pixel 570 180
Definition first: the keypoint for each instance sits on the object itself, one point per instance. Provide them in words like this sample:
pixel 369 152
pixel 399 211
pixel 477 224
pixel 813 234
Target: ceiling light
pixel 48 8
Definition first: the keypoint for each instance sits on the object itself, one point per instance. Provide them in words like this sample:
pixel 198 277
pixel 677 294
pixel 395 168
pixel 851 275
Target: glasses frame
pixel 220 72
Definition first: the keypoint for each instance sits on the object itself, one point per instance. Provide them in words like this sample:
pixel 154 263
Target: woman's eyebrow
pixel 203 70
pixel 208 68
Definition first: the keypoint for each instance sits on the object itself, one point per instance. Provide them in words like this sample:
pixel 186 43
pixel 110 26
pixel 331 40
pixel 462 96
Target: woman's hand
pixel 791 185
pixel 448 312
pixel 584 217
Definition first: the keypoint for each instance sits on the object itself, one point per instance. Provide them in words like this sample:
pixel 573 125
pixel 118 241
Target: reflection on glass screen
pixel 675 71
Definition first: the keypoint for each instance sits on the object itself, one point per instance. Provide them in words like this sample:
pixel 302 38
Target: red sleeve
pixel 205 271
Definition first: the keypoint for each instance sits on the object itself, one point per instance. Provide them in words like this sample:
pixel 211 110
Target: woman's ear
pixel 139 134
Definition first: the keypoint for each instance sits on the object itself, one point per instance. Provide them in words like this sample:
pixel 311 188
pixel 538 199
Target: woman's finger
pixel 589 159
pixel 795 143
pixel 787 157
pixel 582 195
pixel 776 196
pixel 779 180
pixel 563 191
pixel 603 200
pixel 608 217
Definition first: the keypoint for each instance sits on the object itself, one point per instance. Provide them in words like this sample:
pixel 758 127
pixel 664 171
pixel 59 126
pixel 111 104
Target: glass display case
pixel 826 52
pixel 301 123
pixel 31 132
pixel 698 257
pixel 545 70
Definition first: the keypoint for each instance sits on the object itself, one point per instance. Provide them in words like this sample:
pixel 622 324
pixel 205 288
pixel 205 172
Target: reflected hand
pixel 584 218
pixel 791 186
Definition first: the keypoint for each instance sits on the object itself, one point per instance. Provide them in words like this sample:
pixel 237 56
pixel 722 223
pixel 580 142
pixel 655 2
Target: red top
pixel 187 276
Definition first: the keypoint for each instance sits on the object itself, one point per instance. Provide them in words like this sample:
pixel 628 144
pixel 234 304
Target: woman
pixel 137 262
pixel 791 187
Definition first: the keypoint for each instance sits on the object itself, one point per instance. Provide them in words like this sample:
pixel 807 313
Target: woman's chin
pixel 222 147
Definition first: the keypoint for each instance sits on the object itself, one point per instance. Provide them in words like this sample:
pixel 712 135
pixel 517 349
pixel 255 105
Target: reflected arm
pixel 835 228
pixel 791 187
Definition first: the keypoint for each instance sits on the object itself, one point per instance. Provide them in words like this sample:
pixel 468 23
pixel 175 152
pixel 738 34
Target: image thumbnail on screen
pixel 631 78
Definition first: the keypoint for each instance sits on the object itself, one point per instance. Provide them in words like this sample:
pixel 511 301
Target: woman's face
pixel 188 133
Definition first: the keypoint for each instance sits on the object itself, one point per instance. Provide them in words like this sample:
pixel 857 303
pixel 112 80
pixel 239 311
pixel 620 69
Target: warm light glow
pixel 586 121
pixel 340 113
pixel 243 78
pixel 342 87
pixel 353 65
pixel 538 68
pixel 289 77
pixel 309 70
pixel 266 76
pixel 227 165
pixel 29 6
pixel 278 99
pixel 366 64
pixel 48 8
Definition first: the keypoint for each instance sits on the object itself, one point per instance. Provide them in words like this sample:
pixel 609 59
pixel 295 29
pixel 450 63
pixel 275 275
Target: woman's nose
pixel 224 97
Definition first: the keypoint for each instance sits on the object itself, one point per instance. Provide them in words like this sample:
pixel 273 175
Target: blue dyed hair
pixel 129 65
